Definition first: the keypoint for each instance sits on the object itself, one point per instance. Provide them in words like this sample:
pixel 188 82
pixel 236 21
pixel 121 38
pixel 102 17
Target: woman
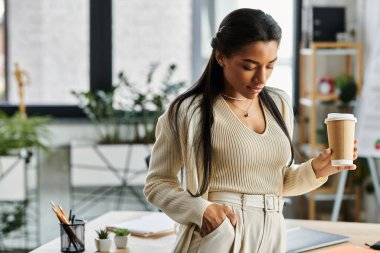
pixel 232 136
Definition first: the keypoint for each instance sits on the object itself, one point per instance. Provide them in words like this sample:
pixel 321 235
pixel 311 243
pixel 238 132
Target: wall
pixel 370 25
pixel 146 32
pixel 370 30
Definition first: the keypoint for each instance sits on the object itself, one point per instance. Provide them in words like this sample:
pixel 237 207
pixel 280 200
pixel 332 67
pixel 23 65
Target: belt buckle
pixel 269 202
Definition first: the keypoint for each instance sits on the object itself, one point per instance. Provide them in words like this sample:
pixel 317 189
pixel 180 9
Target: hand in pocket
pixel 214 215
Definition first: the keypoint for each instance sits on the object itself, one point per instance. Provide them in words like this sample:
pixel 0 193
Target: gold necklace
pixel 246 110
pixel 233 98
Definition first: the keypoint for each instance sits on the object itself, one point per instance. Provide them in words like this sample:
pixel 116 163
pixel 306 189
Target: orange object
pixel 64 215
pixel 58 215
pixel 347 249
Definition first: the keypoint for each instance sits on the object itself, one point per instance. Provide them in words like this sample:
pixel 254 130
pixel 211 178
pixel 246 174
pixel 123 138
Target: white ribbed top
pixel 243 161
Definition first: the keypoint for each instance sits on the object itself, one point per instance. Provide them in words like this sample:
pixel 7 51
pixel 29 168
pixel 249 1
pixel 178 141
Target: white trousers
pixel 260 226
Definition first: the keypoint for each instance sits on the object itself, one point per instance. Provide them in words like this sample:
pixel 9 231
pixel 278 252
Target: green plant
pixel 121 232
pixel 127 102
pixel 99 108
pixel 148 101
pixel 17 132
pixel 102 233
pixel 347 88
pixel 13 219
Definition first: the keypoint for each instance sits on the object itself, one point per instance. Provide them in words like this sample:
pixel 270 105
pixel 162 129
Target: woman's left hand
pixel 322 164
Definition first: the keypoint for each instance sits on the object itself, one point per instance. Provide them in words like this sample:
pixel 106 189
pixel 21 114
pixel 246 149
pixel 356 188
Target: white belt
pixel 268 202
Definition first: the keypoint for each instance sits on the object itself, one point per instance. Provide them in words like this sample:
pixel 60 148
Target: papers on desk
pixel 152 225
pixel 302 239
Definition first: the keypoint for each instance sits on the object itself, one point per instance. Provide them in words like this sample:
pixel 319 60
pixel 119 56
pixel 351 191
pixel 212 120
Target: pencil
pixel 58 215
pixel 69 231
pixel 64 214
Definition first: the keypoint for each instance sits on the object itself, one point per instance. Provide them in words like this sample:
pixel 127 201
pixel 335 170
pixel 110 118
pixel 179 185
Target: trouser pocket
pixel 220 240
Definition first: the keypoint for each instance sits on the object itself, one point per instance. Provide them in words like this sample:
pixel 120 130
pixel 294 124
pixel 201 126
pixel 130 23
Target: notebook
pixel 301 239
pixel 153 225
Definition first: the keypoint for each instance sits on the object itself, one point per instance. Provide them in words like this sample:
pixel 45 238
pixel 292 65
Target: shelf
pixel 305 149
pixel 308 101
pixel 329 97
pixel 332 48
pixel 309 94
pixel 330 51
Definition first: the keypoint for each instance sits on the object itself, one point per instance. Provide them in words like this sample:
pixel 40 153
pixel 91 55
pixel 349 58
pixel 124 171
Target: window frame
pixel 101 57
pixel 100 62
pixel 297 35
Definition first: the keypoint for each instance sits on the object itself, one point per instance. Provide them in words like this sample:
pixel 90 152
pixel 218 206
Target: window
pixel 50 42
pixel 212 13
pixel 147 32
pixel 2 51
pixel 282 12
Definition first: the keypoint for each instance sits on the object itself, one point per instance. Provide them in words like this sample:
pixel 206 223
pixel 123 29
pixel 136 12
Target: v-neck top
pixel 242 161
pixel 265 111
pixel 245 161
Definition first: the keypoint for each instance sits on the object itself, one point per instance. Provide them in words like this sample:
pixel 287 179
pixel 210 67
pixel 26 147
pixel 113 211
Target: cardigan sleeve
pixel 162 188
pixel 297 179
pixel 300 179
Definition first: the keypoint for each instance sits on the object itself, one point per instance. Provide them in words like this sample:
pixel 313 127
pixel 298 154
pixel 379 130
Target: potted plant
pixel 13 219
pixel 346 88
pixel 99 109
pixel 146 103
pixel 124 118
pixel 127 102
pixel 121 238
pixel 18 136
pixel 18 132
pixel 102 242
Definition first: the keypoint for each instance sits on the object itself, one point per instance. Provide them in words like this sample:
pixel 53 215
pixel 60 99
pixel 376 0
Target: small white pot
pixel 121 242
pixel 103 244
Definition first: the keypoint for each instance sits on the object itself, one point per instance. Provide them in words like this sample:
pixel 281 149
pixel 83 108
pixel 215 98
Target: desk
pixel 360 233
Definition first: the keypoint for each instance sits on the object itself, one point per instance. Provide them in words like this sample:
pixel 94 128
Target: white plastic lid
pixel 340 116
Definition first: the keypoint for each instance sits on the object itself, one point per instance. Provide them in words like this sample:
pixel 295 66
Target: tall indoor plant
pixel 133 103
pixel 19 135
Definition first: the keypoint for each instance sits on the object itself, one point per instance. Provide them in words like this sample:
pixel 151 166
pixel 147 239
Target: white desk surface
pixel 359 233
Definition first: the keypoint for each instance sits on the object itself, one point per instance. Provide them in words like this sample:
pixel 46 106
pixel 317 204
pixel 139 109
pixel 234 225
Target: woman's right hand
pixel 214 215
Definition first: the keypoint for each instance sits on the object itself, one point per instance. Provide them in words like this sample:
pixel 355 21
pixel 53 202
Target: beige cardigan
pixel 164 190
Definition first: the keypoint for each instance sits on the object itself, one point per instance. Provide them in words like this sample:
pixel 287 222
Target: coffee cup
pixel 341 136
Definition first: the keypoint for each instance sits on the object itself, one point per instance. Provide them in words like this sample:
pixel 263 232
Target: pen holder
pixel 72 237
